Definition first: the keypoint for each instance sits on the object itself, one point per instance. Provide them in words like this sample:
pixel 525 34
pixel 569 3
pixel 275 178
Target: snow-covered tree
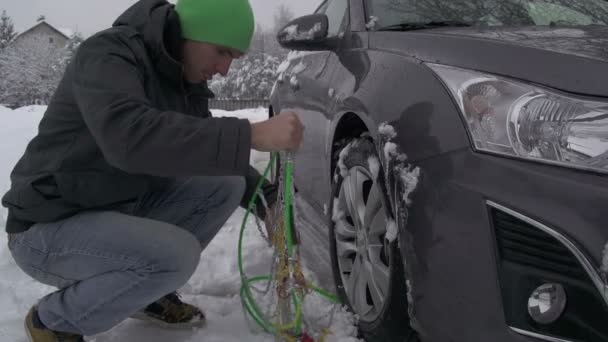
pixel 282 17
pixel 7 30
pixel 27 74
pixel 251 77
pixel 69 51
pixel 257 42
pixel 31 70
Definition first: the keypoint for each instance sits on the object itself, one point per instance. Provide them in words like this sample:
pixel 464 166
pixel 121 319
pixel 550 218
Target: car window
pixel 322 8
pixel 489 12
pixel 335 10
pixel 546 14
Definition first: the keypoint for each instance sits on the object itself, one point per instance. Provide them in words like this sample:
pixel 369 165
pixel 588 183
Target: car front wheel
pixel 367 267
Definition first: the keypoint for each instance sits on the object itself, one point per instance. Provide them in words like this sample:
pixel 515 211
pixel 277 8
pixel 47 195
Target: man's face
pixel 202 61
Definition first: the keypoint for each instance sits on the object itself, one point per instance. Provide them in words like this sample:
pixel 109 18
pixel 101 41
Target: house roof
pixel 42 22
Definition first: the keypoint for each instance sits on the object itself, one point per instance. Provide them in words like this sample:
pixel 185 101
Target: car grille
pixel 522 243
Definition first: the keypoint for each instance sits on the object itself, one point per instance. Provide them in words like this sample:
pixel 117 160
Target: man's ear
pixel 236 54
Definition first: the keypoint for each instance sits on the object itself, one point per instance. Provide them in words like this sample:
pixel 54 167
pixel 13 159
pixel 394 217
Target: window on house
pixel 51 40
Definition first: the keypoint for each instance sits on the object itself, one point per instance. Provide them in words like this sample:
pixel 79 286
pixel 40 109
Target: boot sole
pixel 27 332
pixel 174 326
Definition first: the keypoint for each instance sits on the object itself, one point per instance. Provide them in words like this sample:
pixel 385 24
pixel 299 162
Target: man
pixel 129 178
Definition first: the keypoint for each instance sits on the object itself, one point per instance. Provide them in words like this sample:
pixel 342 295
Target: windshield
pixel 385 13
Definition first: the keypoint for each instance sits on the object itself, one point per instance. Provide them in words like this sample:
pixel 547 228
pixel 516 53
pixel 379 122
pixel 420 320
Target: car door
pixel 307 84
pixel 305 88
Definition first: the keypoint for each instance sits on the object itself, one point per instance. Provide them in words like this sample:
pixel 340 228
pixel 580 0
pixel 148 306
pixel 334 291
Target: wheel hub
pixel 362 244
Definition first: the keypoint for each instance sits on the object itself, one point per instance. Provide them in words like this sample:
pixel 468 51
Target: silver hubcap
pixel 362 250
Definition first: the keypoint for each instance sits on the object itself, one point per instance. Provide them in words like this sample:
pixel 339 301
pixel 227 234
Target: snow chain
pixel 286 279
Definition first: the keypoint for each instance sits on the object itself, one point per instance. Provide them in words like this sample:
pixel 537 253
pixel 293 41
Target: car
pixel 451 184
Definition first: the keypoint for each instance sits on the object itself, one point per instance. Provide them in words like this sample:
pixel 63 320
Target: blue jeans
pixel 108 265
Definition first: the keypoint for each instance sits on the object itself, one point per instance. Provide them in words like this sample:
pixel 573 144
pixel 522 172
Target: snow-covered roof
pixel 43 22
pixel 66 31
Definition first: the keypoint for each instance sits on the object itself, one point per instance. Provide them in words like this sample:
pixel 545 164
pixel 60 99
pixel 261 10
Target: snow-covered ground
pixel 214 286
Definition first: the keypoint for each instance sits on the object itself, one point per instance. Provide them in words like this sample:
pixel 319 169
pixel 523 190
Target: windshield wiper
pixel 424 26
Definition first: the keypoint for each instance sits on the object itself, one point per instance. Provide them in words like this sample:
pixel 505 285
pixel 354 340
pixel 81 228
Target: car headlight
pixel 518 119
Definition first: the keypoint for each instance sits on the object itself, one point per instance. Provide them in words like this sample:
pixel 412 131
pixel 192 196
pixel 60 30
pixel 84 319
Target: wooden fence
pixel 237 104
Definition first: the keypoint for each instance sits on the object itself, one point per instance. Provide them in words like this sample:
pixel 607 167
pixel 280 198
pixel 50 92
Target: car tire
pixel 390 322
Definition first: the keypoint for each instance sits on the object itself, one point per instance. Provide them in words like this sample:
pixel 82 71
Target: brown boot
pixel 36 332
pixel 171 312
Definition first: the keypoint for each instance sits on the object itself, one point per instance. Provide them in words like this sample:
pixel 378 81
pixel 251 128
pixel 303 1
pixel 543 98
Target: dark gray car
pixel 453 172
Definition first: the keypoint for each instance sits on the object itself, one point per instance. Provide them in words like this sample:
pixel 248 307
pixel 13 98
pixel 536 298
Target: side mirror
pixel 306 33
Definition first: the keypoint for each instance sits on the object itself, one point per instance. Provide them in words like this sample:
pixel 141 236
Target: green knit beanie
pixel 228 23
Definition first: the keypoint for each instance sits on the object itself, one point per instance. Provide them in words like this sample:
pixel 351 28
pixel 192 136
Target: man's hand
pixel 280 133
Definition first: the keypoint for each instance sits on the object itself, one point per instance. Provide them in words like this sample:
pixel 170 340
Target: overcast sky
pixel 89 16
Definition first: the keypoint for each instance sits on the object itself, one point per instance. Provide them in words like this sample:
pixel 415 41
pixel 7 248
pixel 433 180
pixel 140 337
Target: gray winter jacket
pixel 123 122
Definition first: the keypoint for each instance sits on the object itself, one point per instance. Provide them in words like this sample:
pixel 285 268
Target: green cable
pixel 288 208
pixel 247 298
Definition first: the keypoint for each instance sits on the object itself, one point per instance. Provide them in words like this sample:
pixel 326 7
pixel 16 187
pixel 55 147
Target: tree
pixel 252 77
pixel 7 30
pixel 257 42
pixel 282 17
pixel 69 51
pixel 31 70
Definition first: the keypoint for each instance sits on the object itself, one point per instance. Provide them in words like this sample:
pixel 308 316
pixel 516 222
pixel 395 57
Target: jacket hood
pixel 158 23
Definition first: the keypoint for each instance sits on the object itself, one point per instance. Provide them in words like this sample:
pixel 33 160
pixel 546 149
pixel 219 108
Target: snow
pixel 409 179
pixel 293 55
pixel 387 131
pixel 408 176
pixel 299 68
pixel 251 77
pixel 343 154
pixel 391 230
pixel 214 286
pixel 293 33
pixel 283 66
pixel 371 24
pixel 390 150
pixel 281 70
pixel 294 81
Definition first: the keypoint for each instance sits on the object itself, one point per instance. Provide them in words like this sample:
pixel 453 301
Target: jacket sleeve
pixel 269 190
pixel 136 137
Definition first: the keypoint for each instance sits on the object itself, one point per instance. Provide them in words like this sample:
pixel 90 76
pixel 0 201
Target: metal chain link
pixel 294 282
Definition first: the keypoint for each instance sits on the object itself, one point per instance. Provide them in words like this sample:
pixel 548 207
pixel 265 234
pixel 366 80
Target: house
pixel 43 33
